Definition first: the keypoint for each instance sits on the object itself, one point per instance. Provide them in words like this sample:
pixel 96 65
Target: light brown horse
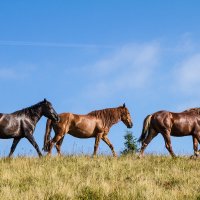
pixel 95 124
pixel 175 124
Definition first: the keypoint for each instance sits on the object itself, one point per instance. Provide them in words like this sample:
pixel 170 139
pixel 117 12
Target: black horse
pixel 22 123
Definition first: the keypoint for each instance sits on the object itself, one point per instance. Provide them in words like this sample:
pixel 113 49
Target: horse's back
pixel 161 116
pixel 173 115
pixel 185 123
pixel 161 120
pixel 81 126
pixel 64 116
pixel 179 124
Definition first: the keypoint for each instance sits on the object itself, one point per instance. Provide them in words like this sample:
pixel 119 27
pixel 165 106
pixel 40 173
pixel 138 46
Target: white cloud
pixel 185 44
pixel 129 67
pixel 20 71
pixel 188 74
pixel 7 73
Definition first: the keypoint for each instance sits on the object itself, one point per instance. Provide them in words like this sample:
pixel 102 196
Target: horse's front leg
pixel 97 140
pixel 107 141
pixel 14 144
pixel 33 142
pixel 195 147
pixel 196 140
pixel 53 141
pixel 58 145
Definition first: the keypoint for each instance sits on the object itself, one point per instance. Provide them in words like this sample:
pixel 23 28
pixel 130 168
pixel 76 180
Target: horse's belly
pixel 79 133
pixel 8 133
pixel 183 131
pixel 83 129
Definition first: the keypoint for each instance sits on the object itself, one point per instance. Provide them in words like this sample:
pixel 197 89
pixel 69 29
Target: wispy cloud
pixel 185 44
pixel 52 44
pixel 8 73
pixel 129 67
pixel 188 74
pixel 20 71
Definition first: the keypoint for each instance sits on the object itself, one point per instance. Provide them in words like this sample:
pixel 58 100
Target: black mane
pixel 28 109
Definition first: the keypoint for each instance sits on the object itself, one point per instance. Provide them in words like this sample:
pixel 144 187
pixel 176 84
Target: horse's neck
pixel 35 114
pixel 115 117
pixel 115 122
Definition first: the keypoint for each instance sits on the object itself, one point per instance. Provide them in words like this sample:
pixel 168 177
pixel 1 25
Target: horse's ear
pixel 45 100
pixel 124 105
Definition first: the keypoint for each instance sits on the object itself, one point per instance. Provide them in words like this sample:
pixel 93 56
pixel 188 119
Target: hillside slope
pixel 83 177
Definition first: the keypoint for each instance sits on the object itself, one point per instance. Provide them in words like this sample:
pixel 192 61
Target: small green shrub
pixel 130 144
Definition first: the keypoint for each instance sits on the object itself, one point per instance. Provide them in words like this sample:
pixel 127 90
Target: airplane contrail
pixel 49 44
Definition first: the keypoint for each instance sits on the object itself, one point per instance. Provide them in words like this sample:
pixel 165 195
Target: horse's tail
pixel 145 130
pixel 47 135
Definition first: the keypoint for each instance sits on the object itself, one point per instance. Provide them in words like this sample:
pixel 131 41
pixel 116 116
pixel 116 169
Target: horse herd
pixel 21 124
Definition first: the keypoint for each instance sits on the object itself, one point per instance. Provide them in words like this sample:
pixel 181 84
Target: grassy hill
pixel 83 177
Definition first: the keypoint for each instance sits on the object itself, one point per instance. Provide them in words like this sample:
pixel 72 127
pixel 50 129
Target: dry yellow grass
pixel 83 177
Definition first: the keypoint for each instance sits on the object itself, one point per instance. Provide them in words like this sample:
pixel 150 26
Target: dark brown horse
pixel 171 124
pixel 22 123
pixel 95 124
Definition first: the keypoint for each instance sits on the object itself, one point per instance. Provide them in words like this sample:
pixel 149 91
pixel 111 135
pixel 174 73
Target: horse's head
pixel 48 111
pixel 125 116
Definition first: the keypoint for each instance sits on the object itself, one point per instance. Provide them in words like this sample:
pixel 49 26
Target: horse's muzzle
pixel 130 125
pixel 57 118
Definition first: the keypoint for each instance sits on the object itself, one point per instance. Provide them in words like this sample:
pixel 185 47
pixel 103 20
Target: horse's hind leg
pixel 107 141
pixel 151 135
pixel 14 144
pixel 168 145
pixel 197 140
pixel 58 145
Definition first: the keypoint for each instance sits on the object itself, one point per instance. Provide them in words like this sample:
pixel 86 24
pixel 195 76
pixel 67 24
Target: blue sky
pixel 88 55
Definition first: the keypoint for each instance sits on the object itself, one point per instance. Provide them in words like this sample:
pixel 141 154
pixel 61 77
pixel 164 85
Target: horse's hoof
pixel 140 156
pixel 194 157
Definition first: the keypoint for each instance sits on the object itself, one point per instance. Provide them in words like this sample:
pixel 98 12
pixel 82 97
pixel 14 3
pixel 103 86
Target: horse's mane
pixel 109 116
pixel 196 110
pixel 29 109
